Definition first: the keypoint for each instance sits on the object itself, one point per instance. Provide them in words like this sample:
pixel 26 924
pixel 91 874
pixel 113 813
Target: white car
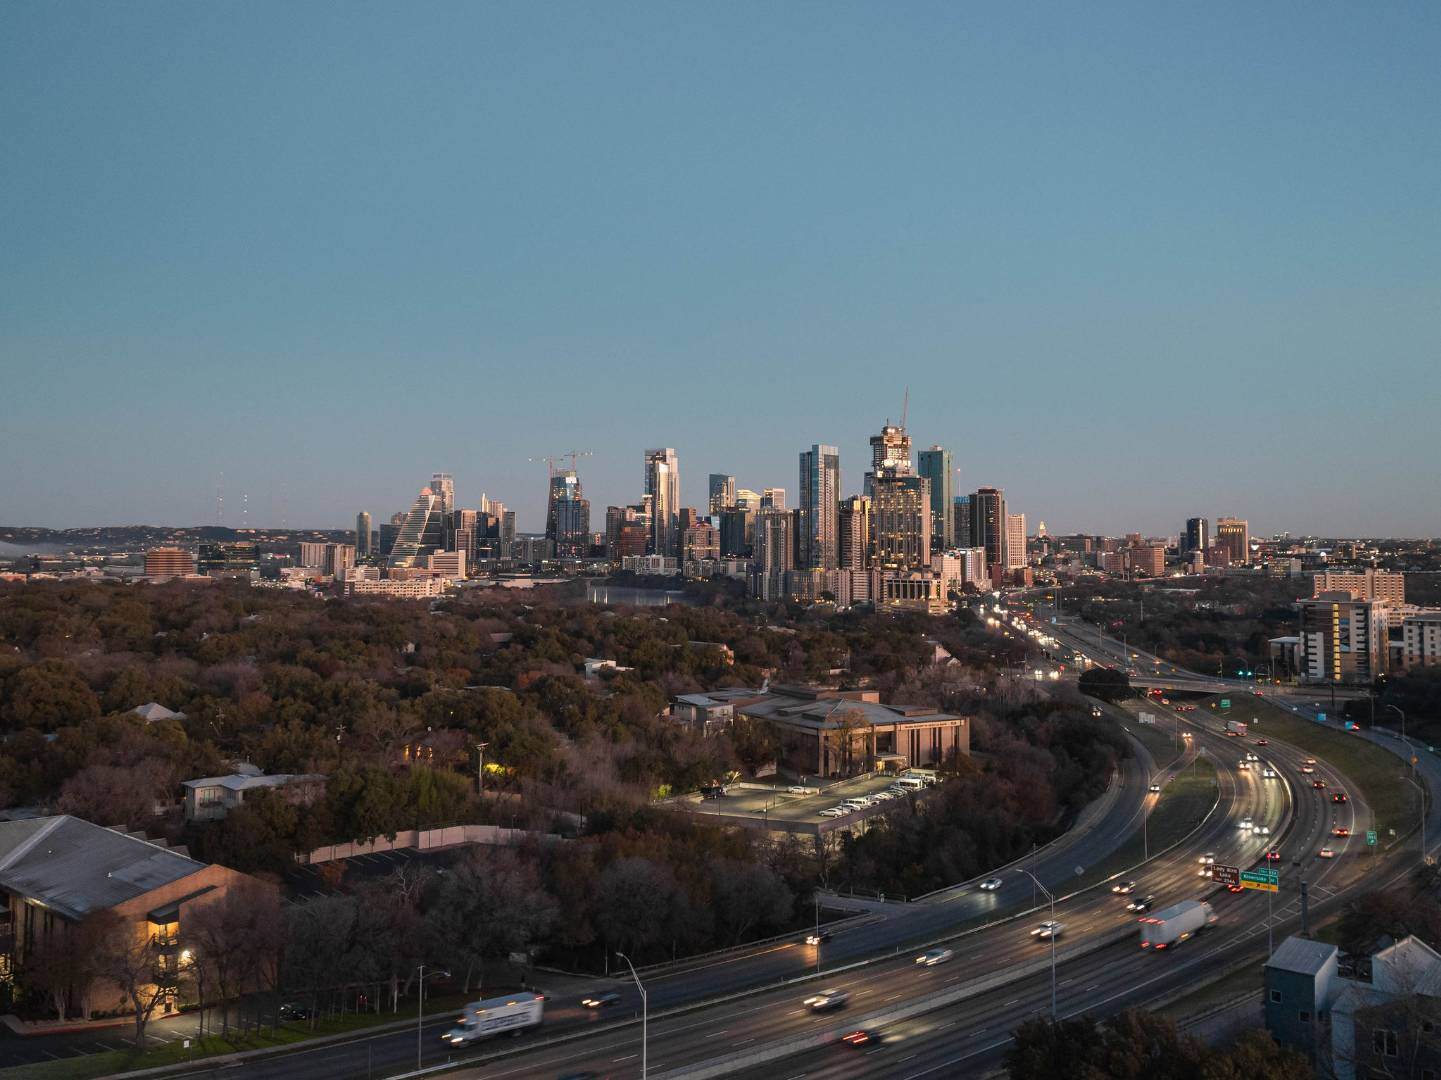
pixel 932 957
pixel 1048 930
pixel 1124 888
pixel 1207 859
pixel 798 789
pixel 1247 824
pixel 1243 764
pixel 991 884
pixel 834 811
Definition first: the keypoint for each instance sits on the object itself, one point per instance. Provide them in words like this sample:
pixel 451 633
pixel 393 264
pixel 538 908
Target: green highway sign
pixel 1225 703
pixel 1371 837
pixel 1261 878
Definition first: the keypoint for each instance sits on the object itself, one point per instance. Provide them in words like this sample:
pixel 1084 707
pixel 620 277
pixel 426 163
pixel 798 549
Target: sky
pixel 1134 262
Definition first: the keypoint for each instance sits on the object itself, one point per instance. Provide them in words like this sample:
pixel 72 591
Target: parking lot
pixel 775 808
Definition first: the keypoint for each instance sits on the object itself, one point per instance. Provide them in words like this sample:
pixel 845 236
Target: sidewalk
pixel 65 1027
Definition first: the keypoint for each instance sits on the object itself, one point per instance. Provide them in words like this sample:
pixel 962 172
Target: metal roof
pixel 74 867
pixel 1301 955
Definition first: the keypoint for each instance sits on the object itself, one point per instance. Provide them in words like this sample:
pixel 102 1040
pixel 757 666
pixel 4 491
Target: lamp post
pixel 1402 715
pixel 1422 793
pixel 1052 899
pixel 420 1011
pixel 644 1013
pixel 480 768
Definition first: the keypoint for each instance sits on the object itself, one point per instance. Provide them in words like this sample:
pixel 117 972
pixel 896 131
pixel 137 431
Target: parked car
pixel 292 1011
pixel 798 789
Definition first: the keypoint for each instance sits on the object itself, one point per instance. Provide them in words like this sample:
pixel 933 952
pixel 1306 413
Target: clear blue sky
pixel 1134 261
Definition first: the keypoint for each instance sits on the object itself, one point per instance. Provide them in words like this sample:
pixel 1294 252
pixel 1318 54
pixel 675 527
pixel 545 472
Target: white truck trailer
pixel 1175 924
pixel 481 1019
pixel 1236 727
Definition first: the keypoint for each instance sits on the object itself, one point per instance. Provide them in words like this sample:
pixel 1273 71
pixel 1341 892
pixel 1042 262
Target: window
pixel 1384 1042
pixel 1275 997
pixel 1304 1016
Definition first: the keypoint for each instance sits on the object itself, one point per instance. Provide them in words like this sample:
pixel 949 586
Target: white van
pixel 480 1019
pixel 911 783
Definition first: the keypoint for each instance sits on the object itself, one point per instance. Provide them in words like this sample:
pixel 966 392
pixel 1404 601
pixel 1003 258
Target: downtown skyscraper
pixel 935 465
pixel 818 516
pixel 662 489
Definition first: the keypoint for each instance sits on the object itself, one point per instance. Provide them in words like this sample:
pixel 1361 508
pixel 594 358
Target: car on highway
pixel 1049 930
pixel 1251 756
pixel 1318 783
pixel 1326 853
pixel 1340 830
pixel 1263 742
pixel 1309 761
pixel 818 938
pixel 1261 830
pixel 1206 872
pixel 1273 855
pixel 1338 797
pixel 601 999
pixel 1140 903
pixel 991 884
pixel 932 957
pixel 1243 764
pixel 827 1000
pixel 1308 769
pixel 1247 824
pixel 861 1037
pixel 1268 773
pixel 798 789
pixel 1207 859
pixel 1124 888
pixel 1155 789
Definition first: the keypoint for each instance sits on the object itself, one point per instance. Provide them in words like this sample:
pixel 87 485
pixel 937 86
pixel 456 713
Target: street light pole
pixel 1402 715
pixel 420 1013
pixel 480 768
pixel 1052 899
pixel 644 1012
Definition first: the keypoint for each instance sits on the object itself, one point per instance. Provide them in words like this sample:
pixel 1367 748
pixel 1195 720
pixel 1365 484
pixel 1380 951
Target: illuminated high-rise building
pixel 817 541
pixel 722 493
pixel 901 522
pixel 362 534
pixel 854 520
pixel 1235 536
pixel 420 534
pixel 988 526
pixel 1015 541
pixel 662 484
pixel 935 465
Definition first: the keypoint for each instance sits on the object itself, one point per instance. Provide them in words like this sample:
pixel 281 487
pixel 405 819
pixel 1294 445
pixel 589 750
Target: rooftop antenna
pixel 906 408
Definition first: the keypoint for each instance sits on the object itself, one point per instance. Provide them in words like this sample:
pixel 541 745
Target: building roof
pixel 74 867
pixel 246 782
pixel 153 711
pixel 1302 956
pixel 1410 966
pixel 822 709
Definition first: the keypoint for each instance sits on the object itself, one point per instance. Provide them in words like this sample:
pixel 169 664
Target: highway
pixel 998 970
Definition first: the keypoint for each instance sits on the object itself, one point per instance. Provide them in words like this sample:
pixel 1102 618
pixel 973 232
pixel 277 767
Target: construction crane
pixel 551 459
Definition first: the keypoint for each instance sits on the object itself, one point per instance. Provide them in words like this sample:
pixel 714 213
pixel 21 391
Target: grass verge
pixel 1376 772
pixel 1182 805
pixel 108 1063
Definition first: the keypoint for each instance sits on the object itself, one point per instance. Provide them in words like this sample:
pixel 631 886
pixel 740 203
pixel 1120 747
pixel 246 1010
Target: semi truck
pixel 481 1019
pixel 1175 924
pixel 1236 727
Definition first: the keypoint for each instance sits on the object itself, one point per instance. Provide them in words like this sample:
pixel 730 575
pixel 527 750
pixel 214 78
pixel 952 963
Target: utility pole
pixel 420 1013
pixel 1052 899
pixel 480 768
pixel 644 1014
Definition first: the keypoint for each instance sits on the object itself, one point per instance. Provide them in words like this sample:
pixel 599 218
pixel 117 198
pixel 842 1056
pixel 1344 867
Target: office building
pixel 935 465
pixel 747 499
pixel 772 557
pixel 722 493
pixel 891 453
pixel 1234 535
pixel 443 487
pixel 447 564
pixel 1387 585
pixel 1196 536
pixel 567 521
pixel 1342 640
pixel 389 530
pixel 854 527
pixel 362 535
pixel 662 484
pixel 736 529
pixel 961 515
pixel 773 498
pixel 1148 559
pixel 169 562
pixel 901 522
pixel 988 526
pixel 420 533
pixel 1016 541
pixel 817 519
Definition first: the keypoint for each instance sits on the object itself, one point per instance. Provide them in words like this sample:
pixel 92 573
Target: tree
pixel 48 695
pixel 1257 1056
pixel 228 939
pixel 126 958
pixel 747 895
pixel 63 964
pixel 117 795
pixel 635 898
pixel 491 905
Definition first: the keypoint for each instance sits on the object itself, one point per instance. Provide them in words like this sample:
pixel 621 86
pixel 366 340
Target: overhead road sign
pixel 1225 875
pixel 1265 879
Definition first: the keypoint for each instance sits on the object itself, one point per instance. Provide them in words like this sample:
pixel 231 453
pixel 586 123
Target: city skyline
pixel 1132 263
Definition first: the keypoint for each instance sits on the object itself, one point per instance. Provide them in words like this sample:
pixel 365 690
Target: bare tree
pixel 227 938
pixel 127 958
